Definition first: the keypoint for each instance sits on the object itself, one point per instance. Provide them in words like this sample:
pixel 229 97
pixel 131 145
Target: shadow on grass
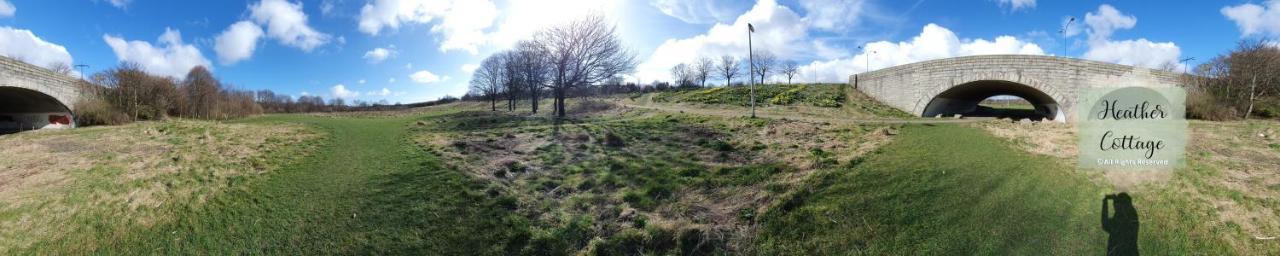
pixel 1122 227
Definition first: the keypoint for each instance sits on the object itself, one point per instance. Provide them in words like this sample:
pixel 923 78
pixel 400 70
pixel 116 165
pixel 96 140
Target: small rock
pixel 627 214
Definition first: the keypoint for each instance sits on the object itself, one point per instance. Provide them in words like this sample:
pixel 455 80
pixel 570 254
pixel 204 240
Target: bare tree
pixel 762 64
pixel 729 68
pixel 202 92
pixel 487 80
pixel 60 68
pixel 511 79
pixel 702 69
pixel 584 52
pixel 682 74
pixel 790 69
pixel 1234 82
pixel 531 64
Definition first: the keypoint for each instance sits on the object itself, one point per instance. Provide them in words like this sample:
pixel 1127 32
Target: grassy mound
pixel 819 95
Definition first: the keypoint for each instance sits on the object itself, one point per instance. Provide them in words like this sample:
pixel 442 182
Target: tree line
pixel 1242 83
pixel 762 65
pixel 581 57
pixel 127 93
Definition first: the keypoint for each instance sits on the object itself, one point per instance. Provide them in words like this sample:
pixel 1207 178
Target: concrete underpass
pixel 963 100
pixel 22 109
pixel 33 97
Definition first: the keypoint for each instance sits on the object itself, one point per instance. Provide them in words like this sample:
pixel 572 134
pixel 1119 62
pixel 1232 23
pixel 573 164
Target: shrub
pixel 1202 105
pixel 92 109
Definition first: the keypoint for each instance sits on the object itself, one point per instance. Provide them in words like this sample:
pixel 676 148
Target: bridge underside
pixel 24 109
pixel 964 99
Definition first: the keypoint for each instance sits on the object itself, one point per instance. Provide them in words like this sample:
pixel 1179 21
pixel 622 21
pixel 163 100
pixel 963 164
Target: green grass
pixel 956 190
pixel 371 185
pixel 595 167
pixel 368 189
pixel 819 95
pixel 941 190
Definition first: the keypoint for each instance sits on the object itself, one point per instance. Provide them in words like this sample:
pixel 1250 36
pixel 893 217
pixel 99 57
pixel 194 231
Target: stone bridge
pixel 956 85
pixel 32 97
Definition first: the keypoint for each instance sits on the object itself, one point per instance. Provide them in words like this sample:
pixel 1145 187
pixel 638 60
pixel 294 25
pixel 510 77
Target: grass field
pixel 613 179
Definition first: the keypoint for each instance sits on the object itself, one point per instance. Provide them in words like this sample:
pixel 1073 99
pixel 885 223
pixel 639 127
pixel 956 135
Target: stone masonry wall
pixel 910 87
pixel 19 74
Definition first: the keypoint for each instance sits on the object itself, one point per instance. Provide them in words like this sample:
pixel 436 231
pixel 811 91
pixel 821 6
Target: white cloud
pixel 326 7
pixel 377 55
pixel 933 42
pixel 24 45
pixel 521 19
pixel 469 68
pixel 1018 4
pixel 237 42
pixel 835 15
pixel 391 80
pixel 384 92
pixel 361 81
pixel 461 22
pixel 779 30
pixel 7 9
pixel 1255 19
pixel 287 23
pixel 340 92
pixel 122 4
pixel 1138 52
pixel 171 58
pixel 1107 21
pixel 426 77
pixel 697 11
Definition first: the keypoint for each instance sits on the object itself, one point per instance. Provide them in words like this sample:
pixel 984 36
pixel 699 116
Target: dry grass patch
pixel 611 174
pixel 1239 163
pixel 1045 138
pixel 126 175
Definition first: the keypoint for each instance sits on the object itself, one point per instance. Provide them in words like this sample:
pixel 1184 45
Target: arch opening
pixel 968 100
pixel 24 109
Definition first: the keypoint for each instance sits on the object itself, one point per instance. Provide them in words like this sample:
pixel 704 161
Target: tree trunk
pixel 560 102
pixel 533 98
pixel 493 103
pixel 1253 91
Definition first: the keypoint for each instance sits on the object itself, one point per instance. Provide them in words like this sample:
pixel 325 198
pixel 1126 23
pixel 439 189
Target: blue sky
pixel 411 50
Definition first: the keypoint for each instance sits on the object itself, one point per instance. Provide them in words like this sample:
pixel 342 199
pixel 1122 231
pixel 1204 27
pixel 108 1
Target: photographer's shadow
pixel 1122 227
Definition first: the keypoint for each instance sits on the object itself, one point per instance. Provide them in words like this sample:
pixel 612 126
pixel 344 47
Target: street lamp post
pixel 751 66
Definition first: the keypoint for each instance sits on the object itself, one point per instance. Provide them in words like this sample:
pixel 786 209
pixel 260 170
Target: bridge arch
pixel 32 97
pixel 25 109
pixel 963 99
pixel 955 85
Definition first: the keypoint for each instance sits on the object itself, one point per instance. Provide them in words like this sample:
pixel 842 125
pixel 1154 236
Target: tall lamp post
pixel 864 52
pixel 751 66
